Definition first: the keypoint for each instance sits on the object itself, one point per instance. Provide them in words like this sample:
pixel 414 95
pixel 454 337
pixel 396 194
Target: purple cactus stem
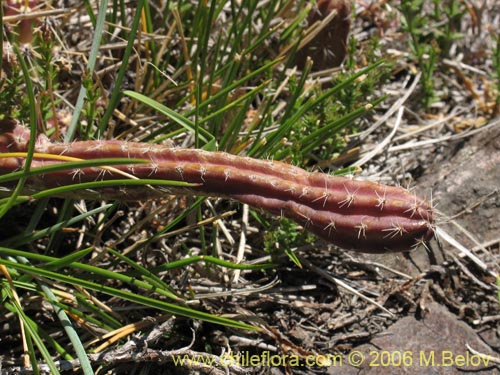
pixel 352 214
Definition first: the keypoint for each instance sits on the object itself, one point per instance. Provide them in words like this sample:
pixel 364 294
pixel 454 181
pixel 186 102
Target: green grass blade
pixel 313 140
pixel 102 319
pixel 204 135
pixel 13 176
pixel 64 190
pixel 238 83
pixel 235 103
pixel 25 238
pixel 33 335
pixel 146 274
pixel 70 331
pixel 78 311
pixel 94 50
pixel 68 259
pixel 96 272
pixel 32 355
pixel 272 140
pixel 213 260
pixel 116 93
pixel 171 224
pixel 129 296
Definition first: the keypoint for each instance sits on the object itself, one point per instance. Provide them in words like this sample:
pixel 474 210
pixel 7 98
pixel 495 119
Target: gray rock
pixel 435 344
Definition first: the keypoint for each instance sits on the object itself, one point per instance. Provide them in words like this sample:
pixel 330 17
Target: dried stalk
pixel 352 214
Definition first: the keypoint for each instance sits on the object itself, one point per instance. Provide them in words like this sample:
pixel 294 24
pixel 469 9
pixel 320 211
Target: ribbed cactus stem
pixel 352 214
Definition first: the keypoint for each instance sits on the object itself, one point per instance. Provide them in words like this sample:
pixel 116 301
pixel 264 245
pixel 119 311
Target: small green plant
pixel 425 50
pixel 453 12
pixel 12 99
pixel 432 28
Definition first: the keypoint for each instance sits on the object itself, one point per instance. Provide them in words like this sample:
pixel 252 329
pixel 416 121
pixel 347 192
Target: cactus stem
pixel 359 215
